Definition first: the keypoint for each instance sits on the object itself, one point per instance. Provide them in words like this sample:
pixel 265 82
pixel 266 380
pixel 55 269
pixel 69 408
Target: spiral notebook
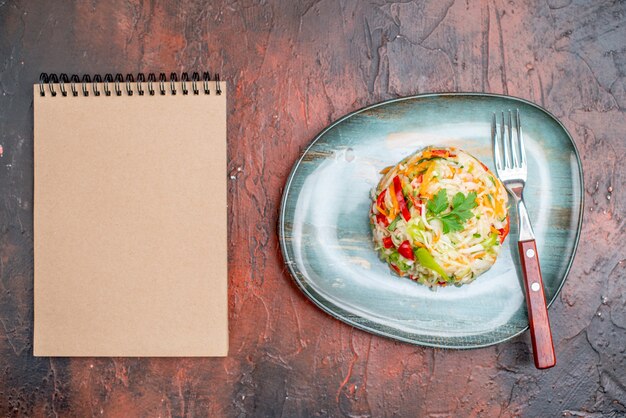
pixel 130 252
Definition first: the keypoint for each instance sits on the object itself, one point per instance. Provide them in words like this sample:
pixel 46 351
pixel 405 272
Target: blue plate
pixel 326 240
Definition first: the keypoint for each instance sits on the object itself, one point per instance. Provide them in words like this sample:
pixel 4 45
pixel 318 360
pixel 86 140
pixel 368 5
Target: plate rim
pixel 346 316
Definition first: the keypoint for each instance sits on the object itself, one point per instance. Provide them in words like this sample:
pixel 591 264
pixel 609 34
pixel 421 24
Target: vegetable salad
pixel 439 217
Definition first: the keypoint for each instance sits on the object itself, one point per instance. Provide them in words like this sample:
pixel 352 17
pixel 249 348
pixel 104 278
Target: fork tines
pixel 514 155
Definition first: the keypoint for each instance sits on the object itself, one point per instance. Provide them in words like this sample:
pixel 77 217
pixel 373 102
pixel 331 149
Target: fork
pixel 511 167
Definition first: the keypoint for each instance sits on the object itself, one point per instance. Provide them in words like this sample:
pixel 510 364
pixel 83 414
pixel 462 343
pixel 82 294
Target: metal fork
pixel 510 158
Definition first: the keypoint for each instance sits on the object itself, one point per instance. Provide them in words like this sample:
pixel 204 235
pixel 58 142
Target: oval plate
pixel 325 234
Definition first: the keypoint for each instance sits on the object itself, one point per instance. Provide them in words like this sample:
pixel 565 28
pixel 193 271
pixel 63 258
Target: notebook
pixel 130 238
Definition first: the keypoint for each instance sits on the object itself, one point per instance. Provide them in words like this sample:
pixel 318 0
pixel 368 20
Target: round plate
pixel 325 234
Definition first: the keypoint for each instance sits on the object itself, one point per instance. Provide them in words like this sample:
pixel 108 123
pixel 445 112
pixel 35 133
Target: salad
pixel 439 217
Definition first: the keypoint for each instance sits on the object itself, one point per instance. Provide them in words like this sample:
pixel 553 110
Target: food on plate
pixel 439 217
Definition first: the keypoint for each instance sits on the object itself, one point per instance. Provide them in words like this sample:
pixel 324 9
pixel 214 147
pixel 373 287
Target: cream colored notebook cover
pixel 130 221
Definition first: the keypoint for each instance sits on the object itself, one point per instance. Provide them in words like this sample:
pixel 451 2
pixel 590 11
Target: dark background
pixel 294 67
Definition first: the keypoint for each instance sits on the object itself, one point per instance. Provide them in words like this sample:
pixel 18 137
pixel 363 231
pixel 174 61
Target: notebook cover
pixel 130 228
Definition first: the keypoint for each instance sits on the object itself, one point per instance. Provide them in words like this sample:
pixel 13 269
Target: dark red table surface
pixel 294 67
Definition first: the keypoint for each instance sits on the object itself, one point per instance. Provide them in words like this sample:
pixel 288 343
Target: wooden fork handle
pixel 540 334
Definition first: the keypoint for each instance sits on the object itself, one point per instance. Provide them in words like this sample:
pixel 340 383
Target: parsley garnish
pixel 439 202
pixel 461 209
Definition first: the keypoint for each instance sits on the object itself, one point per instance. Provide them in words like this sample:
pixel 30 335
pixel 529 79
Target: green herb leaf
pixel 451 223
pixel 458 199
pixel 461 211
pixel 464 203
pixel 439 202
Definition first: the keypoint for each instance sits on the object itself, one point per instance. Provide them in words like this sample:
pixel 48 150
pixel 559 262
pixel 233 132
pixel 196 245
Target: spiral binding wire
pixel 128 85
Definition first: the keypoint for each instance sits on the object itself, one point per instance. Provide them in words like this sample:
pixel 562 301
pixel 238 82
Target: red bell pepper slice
pixel 380 205
pixel 417 204
pixel 439 152
pixel 382 219
pixel 505 231
pixel 396 269
pixel 387 242
pixel 406 251
pixel 397 185
pixel 381 199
